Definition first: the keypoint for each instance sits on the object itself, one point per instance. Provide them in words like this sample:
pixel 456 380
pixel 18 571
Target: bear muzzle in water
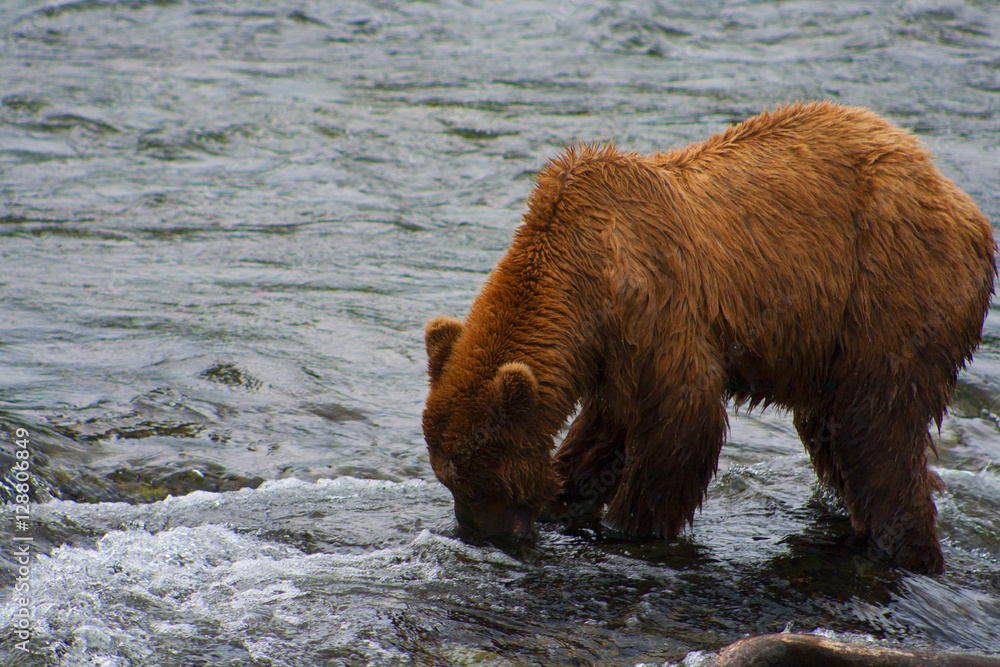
pixel 495 520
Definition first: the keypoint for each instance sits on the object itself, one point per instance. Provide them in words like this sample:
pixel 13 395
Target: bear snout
pixel 494 519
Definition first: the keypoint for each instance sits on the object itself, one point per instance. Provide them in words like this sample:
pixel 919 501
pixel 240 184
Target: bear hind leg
pixel 881 455
pixel 816 431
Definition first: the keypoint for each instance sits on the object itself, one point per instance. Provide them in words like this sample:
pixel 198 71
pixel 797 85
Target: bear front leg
pixel 672 455
pixel 590 462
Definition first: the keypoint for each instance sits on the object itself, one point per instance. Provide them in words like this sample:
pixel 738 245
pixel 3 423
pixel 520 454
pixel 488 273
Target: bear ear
pixel 439 337
pixel 513 392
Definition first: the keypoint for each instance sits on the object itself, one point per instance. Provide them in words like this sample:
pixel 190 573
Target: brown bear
pixel 812 258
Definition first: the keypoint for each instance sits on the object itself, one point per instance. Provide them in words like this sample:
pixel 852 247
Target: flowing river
pixel 223 226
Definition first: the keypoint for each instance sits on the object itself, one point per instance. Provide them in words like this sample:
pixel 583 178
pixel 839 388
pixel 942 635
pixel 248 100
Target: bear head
pixel 484 436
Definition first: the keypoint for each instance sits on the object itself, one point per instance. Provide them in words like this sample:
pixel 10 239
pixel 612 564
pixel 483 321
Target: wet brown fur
pixel 812 257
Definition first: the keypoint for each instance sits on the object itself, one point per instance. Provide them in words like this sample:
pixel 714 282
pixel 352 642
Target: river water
pixel 222 228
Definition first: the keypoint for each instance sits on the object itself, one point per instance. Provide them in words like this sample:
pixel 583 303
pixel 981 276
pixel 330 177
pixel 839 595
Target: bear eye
pixel 479 438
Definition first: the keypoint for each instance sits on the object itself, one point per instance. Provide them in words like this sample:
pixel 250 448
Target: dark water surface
pixel 223 227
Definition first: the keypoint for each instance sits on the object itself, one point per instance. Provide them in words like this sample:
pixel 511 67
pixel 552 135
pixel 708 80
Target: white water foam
pixel 140 591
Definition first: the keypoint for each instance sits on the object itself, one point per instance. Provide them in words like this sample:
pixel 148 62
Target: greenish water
pixel 222 228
